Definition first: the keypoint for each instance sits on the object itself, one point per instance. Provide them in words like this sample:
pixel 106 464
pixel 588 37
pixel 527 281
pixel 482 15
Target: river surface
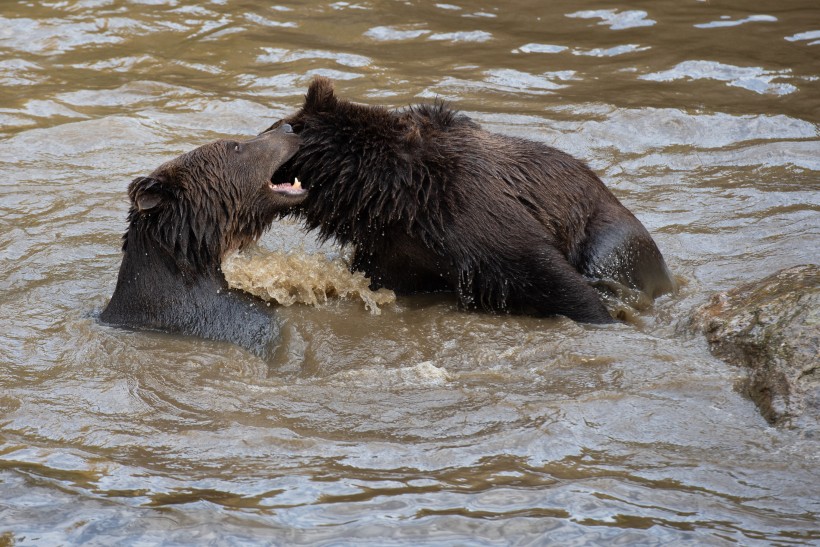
pixel 422 425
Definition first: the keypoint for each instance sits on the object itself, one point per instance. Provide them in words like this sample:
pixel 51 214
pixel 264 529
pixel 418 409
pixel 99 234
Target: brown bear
pixel 183 219
pixel 433 202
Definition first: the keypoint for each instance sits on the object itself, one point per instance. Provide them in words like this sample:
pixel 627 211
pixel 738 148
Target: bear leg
pixel 620 249
pixel 540 282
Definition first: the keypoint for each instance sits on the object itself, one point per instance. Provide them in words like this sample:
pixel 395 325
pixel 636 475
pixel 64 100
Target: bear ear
pixel 148 192
pixel 320 95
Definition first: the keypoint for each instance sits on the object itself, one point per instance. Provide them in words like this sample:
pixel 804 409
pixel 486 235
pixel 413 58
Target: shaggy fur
pixel 433 202
pixel 183 219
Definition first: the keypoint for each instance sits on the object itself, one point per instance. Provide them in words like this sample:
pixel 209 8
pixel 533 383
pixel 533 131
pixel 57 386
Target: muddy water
pixel 421 425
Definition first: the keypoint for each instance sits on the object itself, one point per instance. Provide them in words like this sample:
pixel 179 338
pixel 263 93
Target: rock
pixel 772 327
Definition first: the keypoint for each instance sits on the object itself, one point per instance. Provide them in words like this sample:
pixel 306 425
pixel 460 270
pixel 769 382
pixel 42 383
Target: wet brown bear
pixel 183 219
pixel 433 202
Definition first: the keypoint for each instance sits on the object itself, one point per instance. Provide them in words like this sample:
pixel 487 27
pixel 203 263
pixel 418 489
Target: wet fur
pixel 183 219
pixel 433 202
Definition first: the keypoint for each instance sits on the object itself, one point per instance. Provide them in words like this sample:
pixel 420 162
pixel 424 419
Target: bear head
pixel 214 199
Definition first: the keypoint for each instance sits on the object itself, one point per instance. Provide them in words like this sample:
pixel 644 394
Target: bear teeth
pixel 294 188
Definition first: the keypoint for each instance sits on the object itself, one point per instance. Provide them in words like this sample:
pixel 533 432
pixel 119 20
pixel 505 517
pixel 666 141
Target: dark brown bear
pixel 433 202
pixel 183 219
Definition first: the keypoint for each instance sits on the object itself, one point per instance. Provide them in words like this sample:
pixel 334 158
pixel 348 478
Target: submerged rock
pixel 772 327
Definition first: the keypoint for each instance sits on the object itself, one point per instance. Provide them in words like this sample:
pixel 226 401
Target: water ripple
pixel 281 55
pixel 425 425
pixel 462 36
pixel 394 33
pixel 808 35
pixel 727 21
pixel 616 20
pixel 752 78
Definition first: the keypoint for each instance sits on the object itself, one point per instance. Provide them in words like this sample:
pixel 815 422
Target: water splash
pixel 288 278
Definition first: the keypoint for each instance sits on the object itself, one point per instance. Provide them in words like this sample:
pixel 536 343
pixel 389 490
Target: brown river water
pixel 420 425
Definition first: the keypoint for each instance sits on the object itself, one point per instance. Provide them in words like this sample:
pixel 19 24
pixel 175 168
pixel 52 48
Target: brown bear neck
pixel 154 293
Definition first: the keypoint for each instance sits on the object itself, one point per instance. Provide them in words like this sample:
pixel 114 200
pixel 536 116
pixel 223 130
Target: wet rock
pixel 772 327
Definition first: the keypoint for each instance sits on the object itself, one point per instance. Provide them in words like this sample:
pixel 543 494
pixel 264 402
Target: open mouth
pixel 288 188
pixel 284 182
